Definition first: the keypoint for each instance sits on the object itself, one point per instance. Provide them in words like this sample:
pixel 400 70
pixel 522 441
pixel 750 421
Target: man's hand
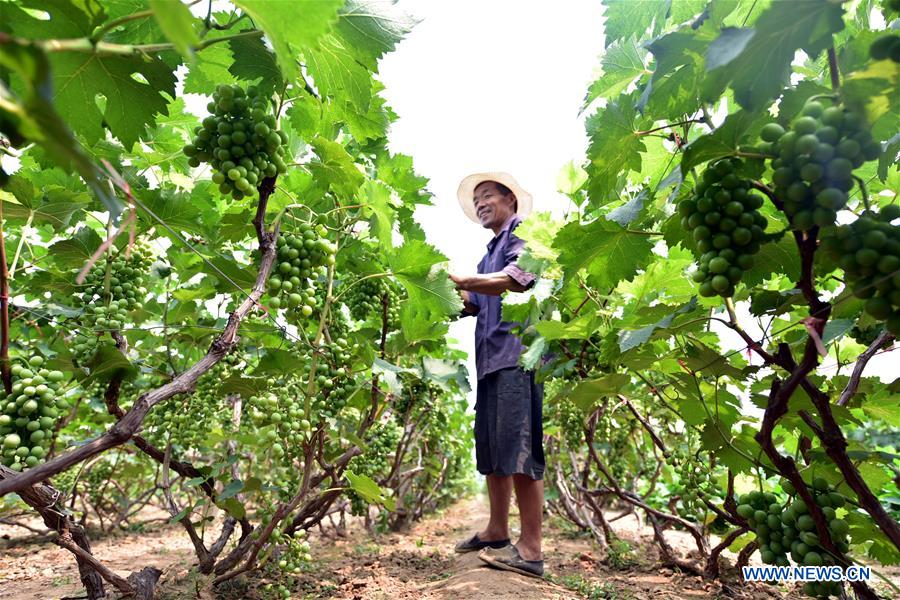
pixel 457 280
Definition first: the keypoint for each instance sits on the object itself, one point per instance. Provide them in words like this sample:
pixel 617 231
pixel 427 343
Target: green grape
pixel 787 530
pixel 29 414
pixel 302 255
pixel 813 171
pixel 381 446
pixel 725 245
pixel 112 288
pixel 186 421
pixel 868 250
pixel 365 299
pixel 239 130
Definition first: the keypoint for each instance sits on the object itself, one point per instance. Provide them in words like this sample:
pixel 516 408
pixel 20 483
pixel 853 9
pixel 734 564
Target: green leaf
pixel 338 74
pixel 290 34
pixel 177 23
pixel 587 393
pixel 757 64
pixel 724 141
pixel 369 491
pixel 609 252
pixel 835 329
pixel 335 168
pixel 621 64
pixel 627 18
pixel 373 28
pixel 181 514
pixel 633 339
pixel 75 251
pixel 209 69
pixel 109 362
pixel 614 147
pixel 774 257
pixel 232 507
pixel 579 328
pixel 35 118
pixel 432 296
pixel 233 488
pixel 253 62
pixel 875 91
pixel 377 198
pixel 133 88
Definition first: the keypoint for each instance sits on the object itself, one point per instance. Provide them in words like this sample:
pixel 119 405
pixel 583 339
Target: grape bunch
pixel 188 423
pixel 28 415
pixel 887 46
pixel 334 378
pixel 867 335
pixel 240 139
pixel 280 413
pixel 695 482
pixel 727 228
pixel 868 250
pixel 300 255
pixel 417 395
pixel 113 286
pixel 365 297
pixel 570 420
pixel 291 560
pixel 813 170
pixel 376 461
pixel 783 530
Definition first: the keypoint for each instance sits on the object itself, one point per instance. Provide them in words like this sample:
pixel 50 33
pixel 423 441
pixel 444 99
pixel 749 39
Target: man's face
pixel 491 206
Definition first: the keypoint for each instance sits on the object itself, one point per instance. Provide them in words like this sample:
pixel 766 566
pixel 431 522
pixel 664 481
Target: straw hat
pixel 467 186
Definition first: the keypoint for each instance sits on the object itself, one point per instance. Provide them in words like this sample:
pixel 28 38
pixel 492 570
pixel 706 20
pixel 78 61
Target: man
pixel 508 434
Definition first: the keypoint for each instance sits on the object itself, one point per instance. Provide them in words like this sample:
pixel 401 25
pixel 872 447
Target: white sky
pixel 489 86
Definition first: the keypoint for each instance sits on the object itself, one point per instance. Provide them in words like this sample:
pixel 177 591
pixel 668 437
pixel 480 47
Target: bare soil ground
pixel 418 563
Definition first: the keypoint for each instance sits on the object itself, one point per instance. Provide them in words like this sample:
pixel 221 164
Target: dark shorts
pixel 508 428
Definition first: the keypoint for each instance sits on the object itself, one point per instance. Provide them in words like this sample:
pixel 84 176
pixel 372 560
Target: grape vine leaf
pixel 109 362
pixel 253 62
pixel 377 198
pixel 210 68
pixel 133 88
pixel 338 74
pixel 615 146
pixel 629 339
pixel 37 119
pixel 627 18
pixel 621 64
pixel 758 64
pixel 335 168
pixel 177 24
pixel 432 296
pixel 677 73
pixel 723 141
pixel 75 251
pixel 586 394
pixel 369 491
pixel 774 257
pixel 372 28
pixel 609 252
pixel 290 34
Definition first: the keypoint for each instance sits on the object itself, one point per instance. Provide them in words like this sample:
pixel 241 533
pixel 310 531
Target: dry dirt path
pixel 413 564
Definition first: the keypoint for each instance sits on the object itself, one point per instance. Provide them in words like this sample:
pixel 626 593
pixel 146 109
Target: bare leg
pixel 530 498
pixel 499 493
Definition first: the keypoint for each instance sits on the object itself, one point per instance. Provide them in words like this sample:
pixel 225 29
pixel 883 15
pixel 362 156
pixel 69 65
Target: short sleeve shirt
pixel 495 347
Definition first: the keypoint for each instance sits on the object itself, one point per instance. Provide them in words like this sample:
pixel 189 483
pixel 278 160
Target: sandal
pixel 476 543
pixel 511 560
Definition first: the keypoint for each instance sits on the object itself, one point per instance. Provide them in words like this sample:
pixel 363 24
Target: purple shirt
pixel 495 347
